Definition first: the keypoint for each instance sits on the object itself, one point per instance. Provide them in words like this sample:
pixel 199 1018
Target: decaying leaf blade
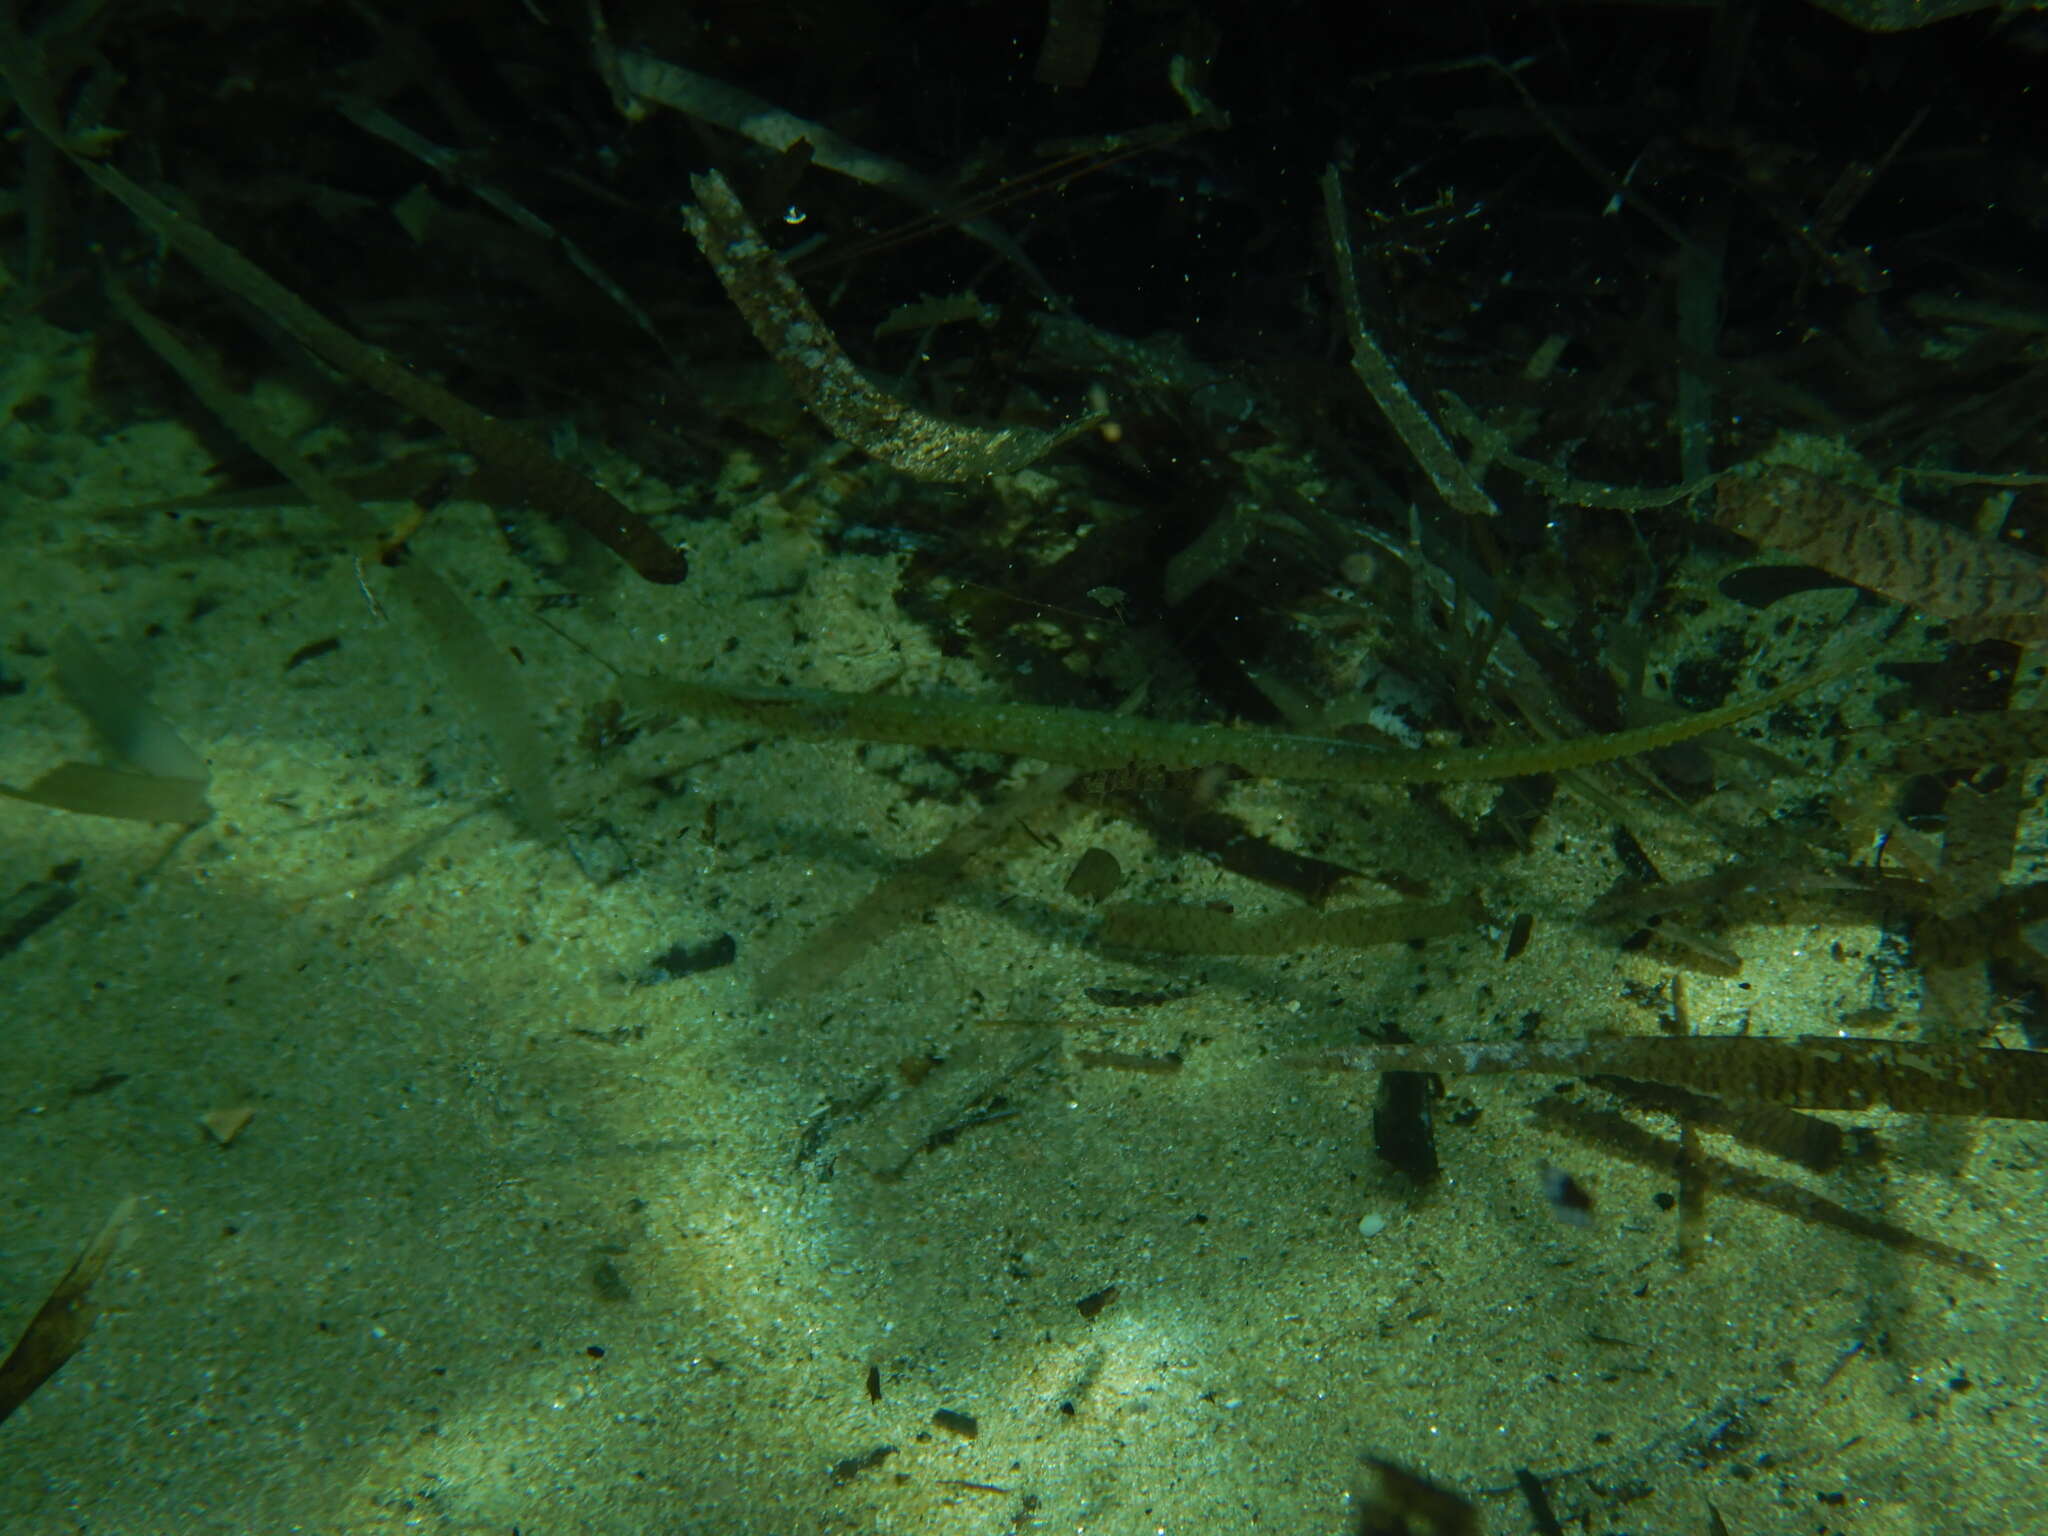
pixel 61 1324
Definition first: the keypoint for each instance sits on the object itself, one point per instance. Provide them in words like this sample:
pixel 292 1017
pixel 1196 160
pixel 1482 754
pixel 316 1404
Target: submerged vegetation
pixel 1523 440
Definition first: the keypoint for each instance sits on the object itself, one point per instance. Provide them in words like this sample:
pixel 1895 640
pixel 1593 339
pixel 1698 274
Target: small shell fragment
pixel 224 1125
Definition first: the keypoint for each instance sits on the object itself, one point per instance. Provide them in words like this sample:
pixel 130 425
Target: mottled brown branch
pixel 1875 543
pixel 824 377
